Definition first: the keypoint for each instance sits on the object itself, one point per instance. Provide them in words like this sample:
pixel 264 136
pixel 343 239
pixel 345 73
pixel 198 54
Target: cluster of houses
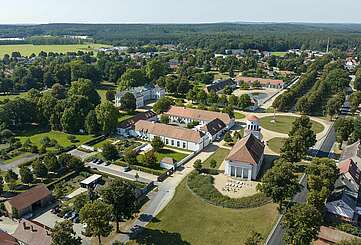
pixel 344 201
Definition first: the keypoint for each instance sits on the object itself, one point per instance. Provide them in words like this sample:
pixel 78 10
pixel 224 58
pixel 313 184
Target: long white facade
pixel 242 170
pixel 142 95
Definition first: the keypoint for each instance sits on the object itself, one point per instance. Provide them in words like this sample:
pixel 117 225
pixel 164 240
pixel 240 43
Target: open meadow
pixel 28 49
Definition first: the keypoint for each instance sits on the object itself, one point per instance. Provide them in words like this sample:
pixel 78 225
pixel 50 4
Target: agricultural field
pixel 189 220
pixel 279 54
pixel 28 49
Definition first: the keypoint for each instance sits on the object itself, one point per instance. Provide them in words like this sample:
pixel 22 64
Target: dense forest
pixel 217 37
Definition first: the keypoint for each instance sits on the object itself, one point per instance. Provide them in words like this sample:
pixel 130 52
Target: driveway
pixel 81 154
pixel 17 162
pixel 166 190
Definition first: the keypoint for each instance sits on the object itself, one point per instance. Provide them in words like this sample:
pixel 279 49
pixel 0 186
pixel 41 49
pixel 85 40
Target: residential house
pixel 343 202
pixel 26 202
pixel 32 233
pixel 351 64
pixel 214 129
pixel 245 159
pixel 7 239
pixel 174 136
pixel 125 126
pixel 330 235
pixel 353 152
pixel 264 82
pixel 142 95
pixel 220 85
pixel 187 115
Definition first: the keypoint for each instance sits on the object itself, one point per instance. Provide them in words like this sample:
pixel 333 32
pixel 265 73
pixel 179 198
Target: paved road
pixel 158 200
pixel 16 163
pixel 324 148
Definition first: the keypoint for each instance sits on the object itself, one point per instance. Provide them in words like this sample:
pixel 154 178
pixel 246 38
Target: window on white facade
pixel 172 142
pixel 166 141
pixel 178 144
pixel 184 145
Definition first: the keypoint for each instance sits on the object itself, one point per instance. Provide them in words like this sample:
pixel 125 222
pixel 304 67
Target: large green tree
pixel 107 116
pixel 128 102
pixel 64 234
pixel 280 182
pixel 97 216
pixel 86 88
pixel 301 223
pixel 121 195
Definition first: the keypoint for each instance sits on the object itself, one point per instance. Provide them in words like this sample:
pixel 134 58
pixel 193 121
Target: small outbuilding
pixel 26 202
pixel 167 163
pixel 91 181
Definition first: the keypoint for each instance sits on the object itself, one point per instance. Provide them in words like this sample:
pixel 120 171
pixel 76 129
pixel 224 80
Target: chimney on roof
pixel 32 228
pixel 24 225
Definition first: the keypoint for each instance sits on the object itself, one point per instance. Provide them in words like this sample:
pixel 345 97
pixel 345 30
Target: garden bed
pixel 202 185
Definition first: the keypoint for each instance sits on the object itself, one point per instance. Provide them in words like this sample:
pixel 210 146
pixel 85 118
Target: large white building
pixel 245 159
pixel 185 115
pixel 142 95
pixel 174 136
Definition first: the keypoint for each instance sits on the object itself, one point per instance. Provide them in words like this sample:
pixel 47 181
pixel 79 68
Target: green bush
pixel 202 185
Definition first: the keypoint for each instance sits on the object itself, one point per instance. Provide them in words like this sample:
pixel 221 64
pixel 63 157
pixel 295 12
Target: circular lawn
pixel 283 124
pixel 276 144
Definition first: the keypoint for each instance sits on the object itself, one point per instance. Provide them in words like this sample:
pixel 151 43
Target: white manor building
pixel 246 157
pixel 142 95
pixel 174 136
pixel 185 115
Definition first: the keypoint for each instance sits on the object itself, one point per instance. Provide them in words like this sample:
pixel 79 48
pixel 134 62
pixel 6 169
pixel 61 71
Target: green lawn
pixel 279 54
pixel 12 96
pixel 60 137
pixel 189 220
pixel 276 144
pixel 283 124
pixel 28 49
pixel 170 153
pixel 101 143
pixel 238 115
pixel 219 156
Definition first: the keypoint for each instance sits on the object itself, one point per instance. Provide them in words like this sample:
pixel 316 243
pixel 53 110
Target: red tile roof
pixel 165 130
pixel 7 239
pixel 333 235
pixel 251 117
pixel 198 115
pixel 29 197
pixel 248 150
pixel 33 233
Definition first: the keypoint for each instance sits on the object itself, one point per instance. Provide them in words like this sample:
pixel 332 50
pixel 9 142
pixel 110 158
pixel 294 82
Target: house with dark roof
pixel 26 202
pixel 214 128
pixel 343 202
pixel 128 124
pixel 219 85
pixel 32 233
pixel 245 159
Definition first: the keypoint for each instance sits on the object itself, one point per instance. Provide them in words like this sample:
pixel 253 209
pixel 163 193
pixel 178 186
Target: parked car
pixel 100 161
pixel 107 163
pixel 127 169
pixel 67 215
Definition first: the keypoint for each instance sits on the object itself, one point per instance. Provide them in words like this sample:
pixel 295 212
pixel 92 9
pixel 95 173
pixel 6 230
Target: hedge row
pixel 95 140
pixel 141 168
pixel 202 185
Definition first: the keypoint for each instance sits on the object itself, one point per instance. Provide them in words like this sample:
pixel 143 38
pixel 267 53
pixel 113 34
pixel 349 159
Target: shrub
pixel 203 187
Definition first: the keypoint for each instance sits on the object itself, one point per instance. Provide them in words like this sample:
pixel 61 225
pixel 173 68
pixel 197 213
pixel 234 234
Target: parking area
pixel 49 219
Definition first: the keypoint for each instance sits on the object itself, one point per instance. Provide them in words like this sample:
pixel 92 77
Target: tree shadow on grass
pixel 157 237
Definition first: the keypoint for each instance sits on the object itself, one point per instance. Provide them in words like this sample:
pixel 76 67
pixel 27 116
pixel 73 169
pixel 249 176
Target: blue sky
pixel 178 11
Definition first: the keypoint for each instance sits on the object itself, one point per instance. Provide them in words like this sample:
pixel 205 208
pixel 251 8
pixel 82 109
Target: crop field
pixel 28 49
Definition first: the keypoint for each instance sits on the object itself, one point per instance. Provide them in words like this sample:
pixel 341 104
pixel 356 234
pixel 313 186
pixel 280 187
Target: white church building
pixel 246 157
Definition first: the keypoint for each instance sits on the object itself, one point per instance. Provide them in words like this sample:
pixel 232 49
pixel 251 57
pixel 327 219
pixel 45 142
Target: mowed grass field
pixel 189 220
pixel 283 124
pixel 28 49
pixel 276 144
pixel 279 54
pixel 219 156
pixel 60 137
